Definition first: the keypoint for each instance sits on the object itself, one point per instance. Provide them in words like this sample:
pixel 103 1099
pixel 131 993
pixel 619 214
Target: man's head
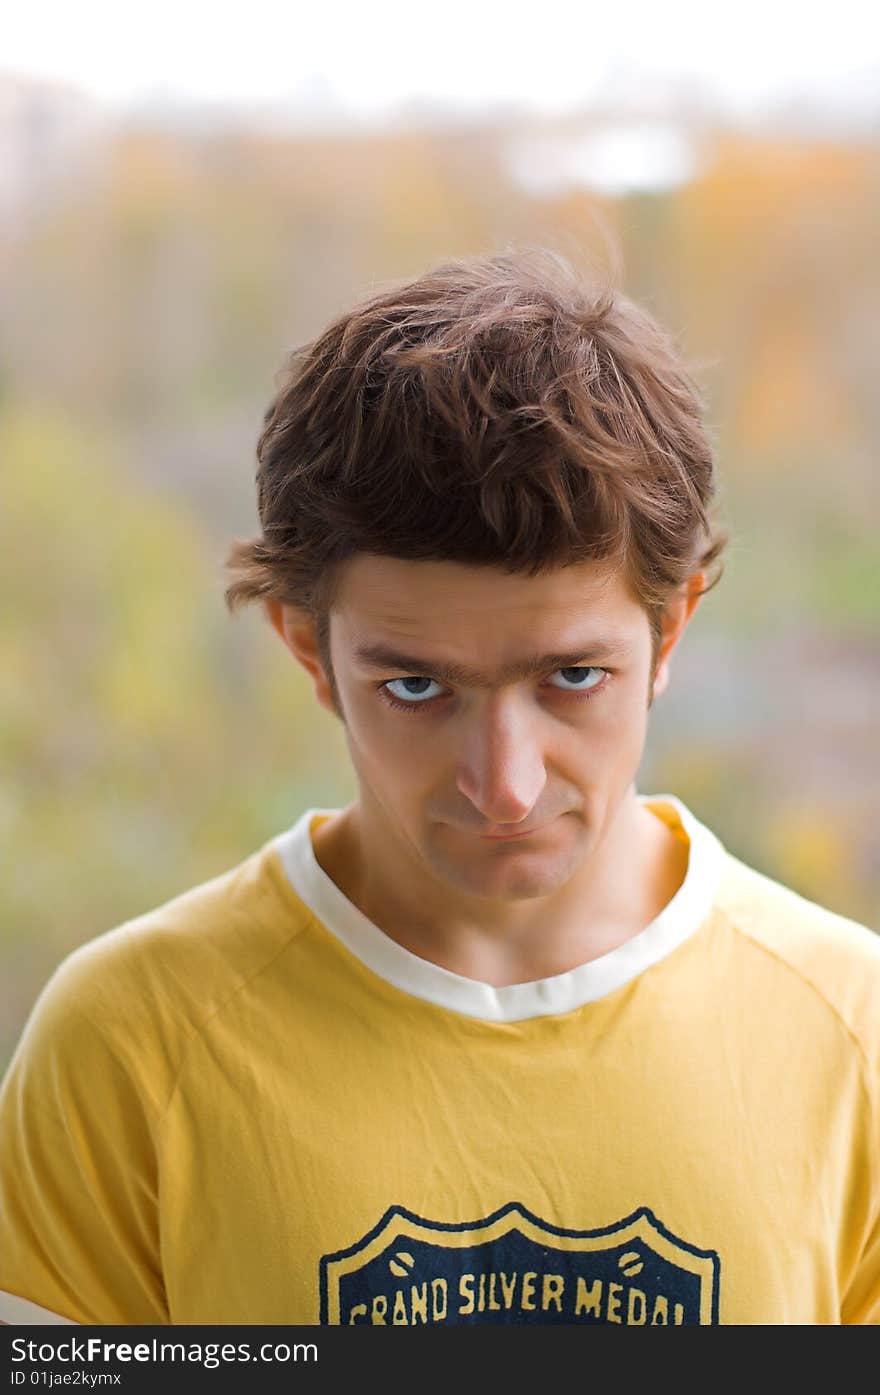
pixel 496 460
pixel 476 703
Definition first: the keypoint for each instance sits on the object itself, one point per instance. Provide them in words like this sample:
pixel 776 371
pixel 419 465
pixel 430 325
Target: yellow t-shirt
pixel 251 1106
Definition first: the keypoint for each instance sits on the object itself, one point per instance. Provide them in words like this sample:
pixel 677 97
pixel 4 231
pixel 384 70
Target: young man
pixel 503 1041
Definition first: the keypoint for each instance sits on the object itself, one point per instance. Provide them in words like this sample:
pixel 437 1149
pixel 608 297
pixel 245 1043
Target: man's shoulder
pixel 835 956
pixel 177 963
pixel 788 921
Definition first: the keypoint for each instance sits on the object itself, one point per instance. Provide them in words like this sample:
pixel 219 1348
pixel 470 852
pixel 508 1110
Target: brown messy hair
pixel 500 410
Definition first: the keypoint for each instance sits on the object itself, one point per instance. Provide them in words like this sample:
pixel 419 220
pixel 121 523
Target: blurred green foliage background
pixel 149 296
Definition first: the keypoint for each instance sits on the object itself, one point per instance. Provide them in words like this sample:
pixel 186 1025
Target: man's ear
pixel 298 629
pixel 676 615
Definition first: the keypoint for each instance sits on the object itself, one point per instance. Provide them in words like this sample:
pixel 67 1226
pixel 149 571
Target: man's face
pixel 479 705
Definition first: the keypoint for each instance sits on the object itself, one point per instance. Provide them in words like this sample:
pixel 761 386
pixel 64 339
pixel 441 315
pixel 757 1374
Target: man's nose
pixel 501 766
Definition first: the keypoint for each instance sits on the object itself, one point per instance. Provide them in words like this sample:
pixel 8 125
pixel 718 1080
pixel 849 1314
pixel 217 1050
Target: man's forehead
pixel 406 595
pixel 483 634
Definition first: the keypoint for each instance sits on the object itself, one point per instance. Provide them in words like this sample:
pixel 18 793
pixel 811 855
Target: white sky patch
pixel 369 58
pixel 622 158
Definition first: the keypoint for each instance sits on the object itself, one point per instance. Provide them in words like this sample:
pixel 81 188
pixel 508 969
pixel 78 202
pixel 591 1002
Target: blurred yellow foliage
pixel 789 394
pixel 811 853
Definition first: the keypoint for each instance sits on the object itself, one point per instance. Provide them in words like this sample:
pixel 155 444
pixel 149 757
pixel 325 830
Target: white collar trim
pixel 515 1002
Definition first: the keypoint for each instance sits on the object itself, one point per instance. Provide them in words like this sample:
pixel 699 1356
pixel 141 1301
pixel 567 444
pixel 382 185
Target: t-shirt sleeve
pixel 861 1302
pixel 79 1215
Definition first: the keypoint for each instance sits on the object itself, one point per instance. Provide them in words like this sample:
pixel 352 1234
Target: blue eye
pixel 580 679
pixel 413 693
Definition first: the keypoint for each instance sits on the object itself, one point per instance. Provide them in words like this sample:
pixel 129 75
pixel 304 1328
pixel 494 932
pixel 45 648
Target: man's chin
pixel 514 875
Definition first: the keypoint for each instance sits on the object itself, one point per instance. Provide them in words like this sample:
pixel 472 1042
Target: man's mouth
pixel 497 836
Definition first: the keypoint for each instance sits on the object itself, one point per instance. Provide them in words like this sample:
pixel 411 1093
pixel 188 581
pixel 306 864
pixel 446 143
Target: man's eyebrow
pixel 383 656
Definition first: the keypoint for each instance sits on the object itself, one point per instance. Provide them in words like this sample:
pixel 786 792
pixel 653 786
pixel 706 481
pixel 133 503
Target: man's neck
pixel 631 873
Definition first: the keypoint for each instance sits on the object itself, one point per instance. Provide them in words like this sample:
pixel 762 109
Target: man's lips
pixel 500 834
pixel 505 837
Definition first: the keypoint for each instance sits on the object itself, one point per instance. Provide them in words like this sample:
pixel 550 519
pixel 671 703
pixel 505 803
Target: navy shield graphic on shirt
pixel 513 1267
